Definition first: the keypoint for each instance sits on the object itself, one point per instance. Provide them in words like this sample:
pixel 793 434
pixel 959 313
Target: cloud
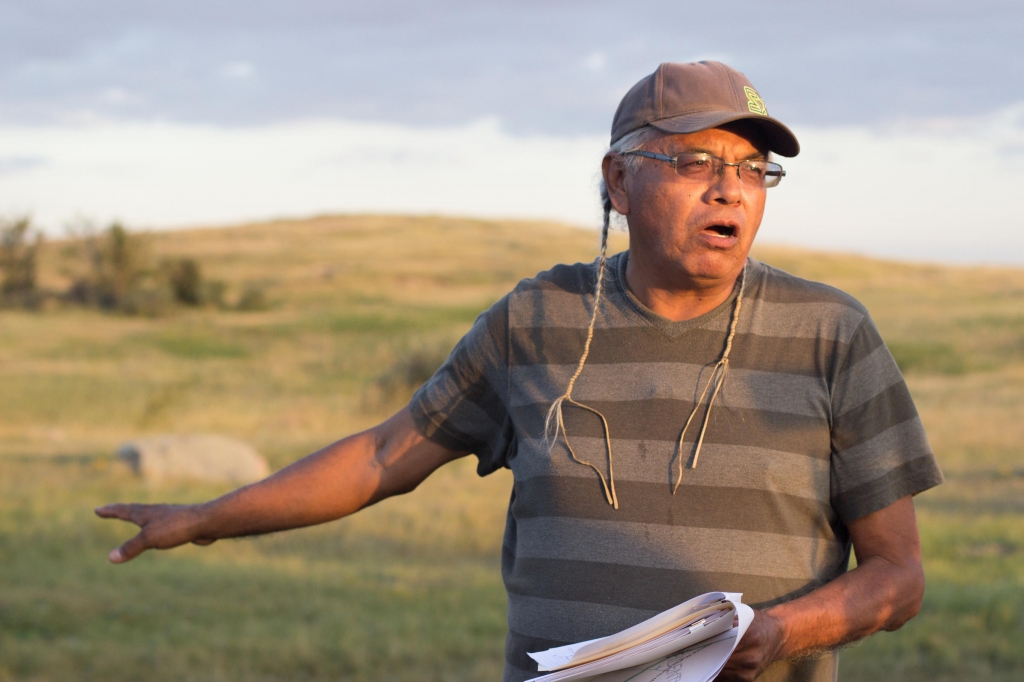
pixel 166 174
pixel 926 190
pixel 450 62
pixel 935 190
pixel 596 62
pixel 238 70
pixel 20 164
pixel 1013 151
pixel 119 96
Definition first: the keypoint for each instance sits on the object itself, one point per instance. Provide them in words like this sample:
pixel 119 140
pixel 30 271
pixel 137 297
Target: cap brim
pixel 781 139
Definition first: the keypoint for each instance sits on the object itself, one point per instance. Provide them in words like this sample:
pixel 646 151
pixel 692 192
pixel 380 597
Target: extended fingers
pixel 125 512
pixel 133 513
pixel 161 526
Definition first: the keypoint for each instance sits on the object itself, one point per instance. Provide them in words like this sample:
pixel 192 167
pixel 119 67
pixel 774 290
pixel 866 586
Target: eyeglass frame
pixel 674 161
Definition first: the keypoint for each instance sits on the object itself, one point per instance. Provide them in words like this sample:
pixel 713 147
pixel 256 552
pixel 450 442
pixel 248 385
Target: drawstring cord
pixel 718 380
pixel 554 423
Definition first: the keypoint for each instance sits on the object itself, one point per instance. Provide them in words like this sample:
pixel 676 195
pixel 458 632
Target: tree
pixel 116 266
pixel 19 247
pixel 186 280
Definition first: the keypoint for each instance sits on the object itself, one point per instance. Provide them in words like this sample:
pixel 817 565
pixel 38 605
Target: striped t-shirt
pixel 813 429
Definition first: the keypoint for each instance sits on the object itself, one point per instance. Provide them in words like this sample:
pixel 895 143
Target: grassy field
pixel 410 589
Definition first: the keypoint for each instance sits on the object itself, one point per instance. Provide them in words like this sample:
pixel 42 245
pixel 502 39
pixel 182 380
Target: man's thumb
pixel 128 551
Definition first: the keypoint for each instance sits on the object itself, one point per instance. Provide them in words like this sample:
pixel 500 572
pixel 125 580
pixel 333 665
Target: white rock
pixel 203 457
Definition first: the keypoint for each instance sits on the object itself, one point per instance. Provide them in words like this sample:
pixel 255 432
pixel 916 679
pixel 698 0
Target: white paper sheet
pixel 700 663
pixel 655 659
pixel 581 652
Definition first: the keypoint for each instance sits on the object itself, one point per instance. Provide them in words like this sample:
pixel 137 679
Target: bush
pixel 111 269
pixel 149 299
pixel 116 265
pixel 185 279
pixel 19 248
pixel 411 371
pixel 253 298
pixel 117 276
pixel 212 292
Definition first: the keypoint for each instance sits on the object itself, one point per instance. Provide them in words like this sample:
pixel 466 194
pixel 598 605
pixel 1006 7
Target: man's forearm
pixel 336 481
pixel 327 485
pixel 357 471
pixel 877 595
pixel 882 593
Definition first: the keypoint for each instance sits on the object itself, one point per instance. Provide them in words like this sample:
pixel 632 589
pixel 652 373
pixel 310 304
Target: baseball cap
pixel 687 98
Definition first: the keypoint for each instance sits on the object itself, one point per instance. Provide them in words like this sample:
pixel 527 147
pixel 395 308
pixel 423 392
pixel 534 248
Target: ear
pixel 615 180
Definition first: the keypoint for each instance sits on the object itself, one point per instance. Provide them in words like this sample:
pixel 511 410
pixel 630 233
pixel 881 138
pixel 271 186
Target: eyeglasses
pixel 704 167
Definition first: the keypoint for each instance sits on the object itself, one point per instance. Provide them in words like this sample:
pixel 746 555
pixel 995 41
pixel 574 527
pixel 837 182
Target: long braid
pixel 554 424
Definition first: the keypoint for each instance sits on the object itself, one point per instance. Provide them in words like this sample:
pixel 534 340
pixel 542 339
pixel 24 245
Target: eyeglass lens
pixel 702 167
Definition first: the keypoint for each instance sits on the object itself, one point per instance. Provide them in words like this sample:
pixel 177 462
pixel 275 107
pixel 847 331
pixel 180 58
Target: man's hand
pixel 389 459
pixel 758 649
pixel 161 526
pixel 882 593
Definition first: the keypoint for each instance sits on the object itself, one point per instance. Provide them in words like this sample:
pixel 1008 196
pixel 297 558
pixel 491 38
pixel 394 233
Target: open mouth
pixel 722 230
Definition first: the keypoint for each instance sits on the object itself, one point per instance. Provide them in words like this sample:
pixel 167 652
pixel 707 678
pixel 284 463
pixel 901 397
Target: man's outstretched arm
pixel 389 459
pixel 882 593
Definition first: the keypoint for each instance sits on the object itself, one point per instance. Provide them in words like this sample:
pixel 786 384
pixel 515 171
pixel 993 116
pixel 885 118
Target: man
pixel 678 418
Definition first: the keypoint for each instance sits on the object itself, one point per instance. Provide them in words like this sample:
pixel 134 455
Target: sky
pixel 910 114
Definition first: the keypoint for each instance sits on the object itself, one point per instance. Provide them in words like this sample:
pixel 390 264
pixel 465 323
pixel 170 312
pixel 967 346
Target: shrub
pixel 115 265
pixel 186 280
pixel 411 371
pixel 151 298
pixel 253 298
pixel 19 247
pixel 212 292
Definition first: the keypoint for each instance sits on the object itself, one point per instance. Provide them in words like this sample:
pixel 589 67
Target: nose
pixel 727 188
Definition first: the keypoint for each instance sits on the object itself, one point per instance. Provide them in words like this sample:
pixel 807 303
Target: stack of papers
pixel 688 643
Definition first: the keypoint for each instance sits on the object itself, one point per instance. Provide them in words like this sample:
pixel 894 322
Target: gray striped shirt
pixel 814 428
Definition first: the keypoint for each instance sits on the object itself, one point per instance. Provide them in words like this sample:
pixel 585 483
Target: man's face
pixel 694 233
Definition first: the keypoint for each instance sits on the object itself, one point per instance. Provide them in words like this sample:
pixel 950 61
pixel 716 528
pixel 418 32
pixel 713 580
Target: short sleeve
pixel 464 405
pixel 880 452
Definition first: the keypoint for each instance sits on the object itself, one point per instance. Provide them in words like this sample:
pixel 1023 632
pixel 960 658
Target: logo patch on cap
pixel 754 101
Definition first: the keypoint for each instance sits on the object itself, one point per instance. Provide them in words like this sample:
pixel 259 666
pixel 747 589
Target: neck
pixel 680 298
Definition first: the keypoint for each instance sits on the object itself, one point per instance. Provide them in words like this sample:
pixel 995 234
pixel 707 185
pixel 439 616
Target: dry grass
pixel 411 589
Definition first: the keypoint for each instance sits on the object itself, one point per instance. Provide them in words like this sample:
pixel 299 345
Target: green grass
pixel 200 347
pixel 320 604
pixel 410 589
pixel 940 358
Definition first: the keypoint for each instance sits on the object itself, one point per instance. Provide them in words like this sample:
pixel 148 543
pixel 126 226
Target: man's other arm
pixel 883 592
pixel 355 472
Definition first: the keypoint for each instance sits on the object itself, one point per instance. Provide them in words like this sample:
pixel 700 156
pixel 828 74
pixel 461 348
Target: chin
pixel 714 265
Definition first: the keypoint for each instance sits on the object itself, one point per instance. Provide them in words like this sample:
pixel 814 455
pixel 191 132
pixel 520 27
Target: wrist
pixel 201 522
pixel 778 635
